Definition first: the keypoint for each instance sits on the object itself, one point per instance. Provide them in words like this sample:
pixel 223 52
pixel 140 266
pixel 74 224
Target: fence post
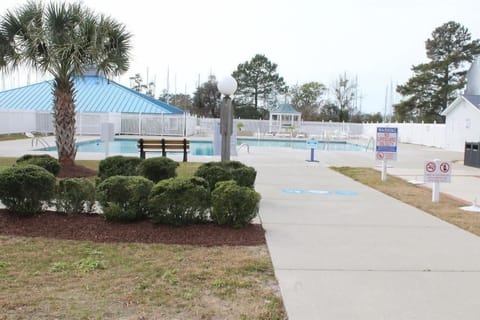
pixel 142 152
pixel 164 152
pixel 184 150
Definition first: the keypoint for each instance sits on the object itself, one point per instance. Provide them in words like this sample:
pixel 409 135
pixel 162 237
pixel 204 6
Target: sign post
pixel 312 144
pixel 106 135
pixel 386 147
pixel 437 171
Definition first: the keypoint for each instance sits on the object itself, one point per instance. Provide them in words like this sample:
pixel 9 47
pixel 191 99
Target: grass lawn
pixel 57 279
pixel 14 136
pixel 6 162
pixel 446 209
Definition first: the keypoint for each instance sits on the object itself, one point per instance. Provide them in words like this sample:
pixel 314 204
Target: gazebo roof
pixel 94 94
pixel 285 108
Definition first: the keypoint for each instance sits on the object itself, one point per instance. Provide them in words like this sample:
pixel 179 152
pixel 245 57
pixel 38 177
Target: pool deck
pixel 341 250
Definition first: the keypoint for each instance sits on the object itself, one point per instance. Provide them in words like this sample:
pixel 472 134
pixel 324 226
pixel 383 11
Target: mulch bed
pixel 76 171
pixel 95 228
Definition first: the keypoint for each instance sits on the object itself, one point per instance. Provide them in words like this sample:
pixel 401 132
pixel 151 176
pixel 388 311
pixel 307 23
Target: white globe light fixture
pixel 227 86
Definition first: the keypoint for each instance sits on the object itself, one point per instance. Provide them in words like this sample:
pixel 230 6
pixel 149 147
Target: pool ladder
pixel 372 141
pixel 244 145
pixel 36 140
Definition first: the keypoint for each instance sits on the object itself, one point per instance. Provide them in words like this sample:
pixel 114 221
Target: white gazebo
pixel 283 118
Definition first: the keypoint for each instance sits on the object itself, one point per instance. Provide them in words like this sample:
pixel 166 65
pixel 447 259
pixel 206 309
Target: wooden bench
pixel 164 145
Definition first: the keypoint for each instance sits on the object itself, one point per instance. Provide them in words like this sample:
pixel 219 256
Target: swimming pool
pixel 205 148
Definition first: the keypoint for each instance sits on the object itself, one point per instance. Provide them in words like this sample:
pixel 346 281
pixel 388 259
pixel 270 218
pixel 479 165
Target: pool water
pixel 301 144
pixel 205 148
pixel 120 146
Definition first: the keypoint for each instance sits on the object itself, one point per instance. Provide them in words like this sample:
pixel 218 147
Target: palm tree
pixel 63 40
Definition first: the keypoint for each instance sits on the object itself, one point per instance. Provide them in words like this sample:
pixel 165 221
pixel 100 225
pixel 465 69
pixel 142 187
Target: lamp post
pixel 227 87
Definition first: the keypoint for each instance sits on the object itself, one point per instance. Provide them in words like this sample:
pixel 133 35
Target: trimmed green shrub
pixel 42 160
pixel 214 172
pixel 179 201
pixel 200 182
pixel 75 195
pixel 245 177
pixel 234 205
pixel 232 164
pixel 124 198
pixel 157 169
pixel 118 166
pixel 25 189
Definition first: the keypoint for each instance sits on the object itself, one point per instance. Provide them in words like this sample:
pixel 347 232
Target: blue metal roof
pixel 93 94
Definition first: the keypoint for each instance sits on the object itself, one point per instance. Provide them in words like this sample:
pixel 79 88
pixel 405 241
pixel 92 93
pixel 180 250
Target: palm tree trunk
pixel 64 115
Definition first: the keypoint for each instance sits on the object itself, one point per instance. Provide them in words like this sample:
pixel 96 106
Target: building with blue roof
pixel 97 100
pixel 94 94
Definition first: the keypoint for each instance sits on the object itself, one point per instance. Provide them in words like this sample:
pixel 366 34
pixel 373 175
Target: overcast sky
pixel 376 41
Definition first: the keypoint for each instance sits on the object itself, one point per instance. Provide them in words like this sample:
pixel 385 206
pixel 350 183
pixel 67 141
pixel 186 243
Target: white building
pixel 463 115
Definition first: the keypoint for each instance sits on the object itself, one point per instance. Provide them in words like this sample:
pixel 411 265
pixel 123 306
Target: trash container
pixel 472 154
pixel 476 154
pixel 467 156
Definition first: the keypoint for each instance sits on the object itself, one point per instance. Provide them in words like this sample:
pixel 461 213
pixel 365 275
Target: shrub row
pixel 28 189
pixel 177 201
pixel 154 169
pixel 220 192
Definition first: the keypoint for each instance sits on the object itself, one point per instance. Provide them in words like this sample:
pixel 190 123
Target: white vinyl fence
pixel 427 134
pixel 17 121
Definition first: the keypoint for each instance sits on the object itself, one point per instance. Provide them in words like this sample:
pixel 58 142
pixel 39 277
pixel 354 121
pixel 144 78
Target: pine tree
pixel 257 79
pixel 206 100
pixel 435 84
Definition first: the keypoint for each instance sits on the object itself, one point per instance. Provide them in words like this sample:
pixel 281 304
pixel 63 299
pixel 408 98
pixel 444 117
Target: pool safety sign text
pixel 386 143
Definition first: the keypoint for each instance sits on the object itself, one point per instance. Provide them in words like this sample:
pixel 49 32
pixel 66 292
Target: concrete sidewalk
pixel 341 250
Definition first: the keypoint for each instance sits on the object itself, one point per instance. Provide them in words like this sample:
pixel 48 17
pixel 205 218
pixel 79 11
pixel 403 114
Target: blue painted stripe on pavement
pixel 321 192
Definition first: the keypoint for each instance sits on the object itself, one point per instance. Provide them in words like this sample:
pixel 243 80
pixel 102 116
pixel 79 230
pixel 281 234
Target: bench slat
pixel 174 146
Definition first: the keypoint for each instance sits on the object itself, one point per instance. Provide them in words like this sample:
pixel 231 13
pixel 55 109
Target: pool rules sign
pixel 386 143
pixel 386 147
